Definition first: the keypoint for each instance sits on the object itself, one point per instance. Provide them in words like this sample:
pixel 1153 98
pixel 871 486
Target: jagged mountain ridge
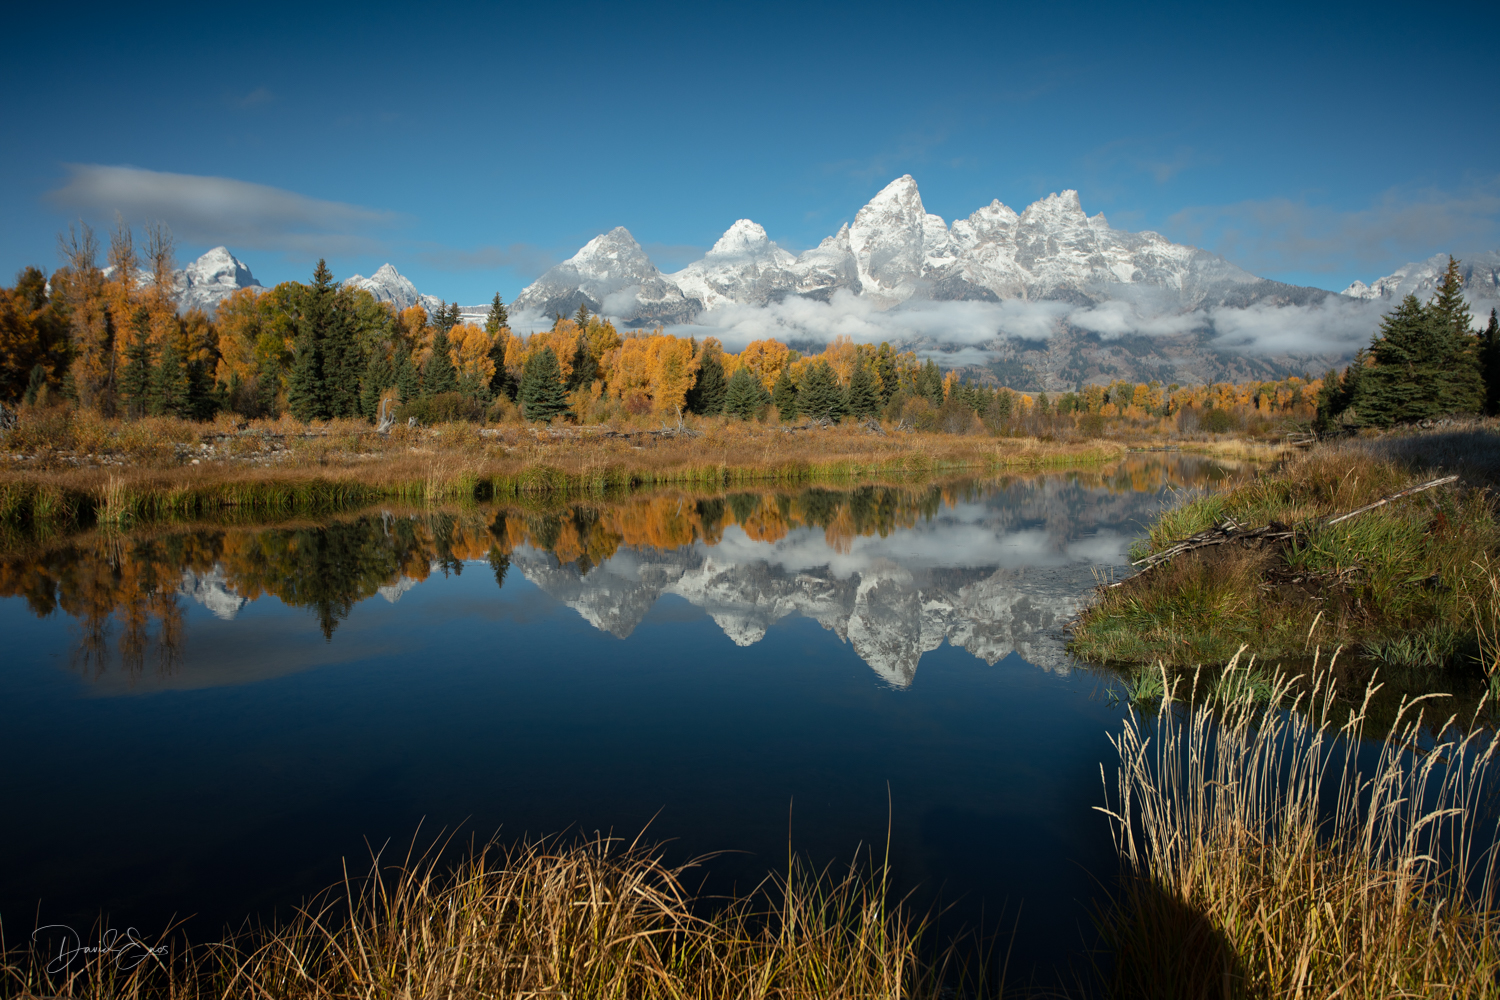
pixel 1481 274
pixel 895 251
pixel 391 286
pixel 205 282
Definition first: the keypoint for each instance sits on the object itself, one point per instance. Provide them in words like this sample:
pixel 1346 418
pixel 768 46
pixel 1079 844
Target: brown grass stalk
pixel 1271 849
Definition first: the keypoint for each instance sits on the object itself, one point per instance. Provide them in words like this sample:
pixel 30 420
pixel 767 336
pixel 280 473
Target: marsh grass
pixel 282 468
pixel 1404 586
pixel 1270 848
pixel 595 917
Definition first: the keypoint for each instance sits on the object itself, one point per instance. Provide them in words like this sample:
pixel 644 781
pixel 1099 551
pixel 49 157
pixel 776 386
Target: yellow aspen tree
pixel 674 367
pixel 765 358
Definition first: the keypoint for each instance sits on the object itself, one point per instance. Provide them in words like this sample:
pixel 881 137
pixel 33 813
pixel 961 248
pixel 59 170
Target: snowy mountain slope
pixel 205 282
pixel 1481 273
pixel 389 285
pixel 613 275
pixel 743 266
pixel 896 251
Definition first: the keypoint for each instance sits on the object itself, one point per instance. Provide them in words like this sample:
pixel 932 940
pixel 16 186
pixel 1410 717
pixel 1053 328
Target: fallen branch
pixel 1232 531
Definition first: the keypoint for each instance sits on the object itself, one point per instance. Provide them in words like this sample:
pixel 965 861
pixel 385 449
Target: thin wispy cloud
pixel 523 258
pixel 256 98
pixel 1284 234
pixel 224 210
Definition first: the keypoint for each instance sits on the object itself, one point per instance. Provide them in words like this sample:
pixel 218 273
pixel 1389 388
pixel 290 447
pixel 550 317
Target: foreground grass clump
pixel 1270 850
pixel 595 918
pixel 1410 585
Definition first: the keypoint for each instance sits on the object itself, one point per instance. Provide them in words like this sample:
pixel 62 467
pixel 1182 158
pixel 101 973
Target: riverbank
pixel 1412 587
pixel 79 470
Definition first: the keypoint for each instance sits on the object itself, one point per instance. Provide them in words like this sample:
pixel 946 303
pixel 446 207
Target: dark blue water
pixel 858 675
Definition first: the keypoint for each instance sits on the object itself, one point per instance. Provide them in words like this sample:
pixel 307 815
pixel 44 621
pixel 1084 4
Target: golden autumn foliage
pixel 656 370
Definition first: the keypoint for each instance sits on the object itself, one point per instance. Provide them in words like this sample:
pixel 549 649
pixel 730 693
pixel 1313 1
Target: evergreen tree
pixel 171 391
pixel 541 394
pixel 930 383
pixel 135 379
pixel 498 318
pixel 268 384
pixel 379 376
pixel 820 396
pixel 35 383
pixel 1424 367
pixel 204 397
pixel 501 384
pixel 1489 358
pixel 784 395
pixel 408 385
pixel 885 370
pixel 343 361
pixel 438 374
pixel 446 318
pixel 1461 387
pixel 582 316
pixel 706 397
pixel 864 393
pixel 304 386
pixel 742 396
pixel 585 368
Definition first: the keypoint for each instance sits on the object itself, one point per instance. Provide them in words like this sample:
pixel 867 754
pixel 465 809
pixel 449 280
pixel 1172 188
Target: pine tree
pixel 268 384
pixel 171 392
pixel 204 397
pixel 501 384
pixel 135 379
pixel 864 393
pixel 446 318
pixel 408 385
pixel 930 383
pixel 820 396
pixel 498 318
pixel 1489 357
pixel 742 396
pixel 1457 364
pixel 585 368
pixel 1424 365
pixel 438 374
pixel 304 386
pixel 379 376
pixel 542 396
pixel 343 361
pixel 784 395
pixel 706 397
pixel 35 383
pixel 885 370
pixel 582 316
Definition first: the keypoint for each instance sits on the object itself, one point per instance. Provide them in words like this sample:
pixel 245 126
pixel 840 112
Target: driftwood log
pixel 1231 530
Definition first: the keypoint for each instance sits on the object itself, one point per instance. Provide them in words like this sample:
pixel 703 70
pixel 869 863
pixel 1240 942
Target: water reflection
pixel 895 572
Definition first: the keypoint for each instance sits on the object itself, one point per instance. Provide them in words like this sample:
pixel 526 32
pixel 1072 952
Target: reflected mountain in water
pixel 993 568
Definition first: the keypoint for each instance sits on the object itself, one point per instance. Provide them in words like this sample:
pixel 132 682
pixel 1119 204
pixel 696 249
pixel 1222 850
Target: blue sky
pixel 472 146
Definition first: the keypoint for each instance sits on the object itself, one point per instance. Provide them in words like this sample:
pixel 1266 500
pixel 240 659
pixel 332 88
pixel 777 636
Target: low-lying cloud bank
pixel 1335 326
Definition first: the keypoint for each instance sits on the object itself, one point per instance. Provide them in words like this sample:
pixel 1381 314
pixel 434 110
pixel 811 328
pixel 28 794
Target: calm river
pixel 204 721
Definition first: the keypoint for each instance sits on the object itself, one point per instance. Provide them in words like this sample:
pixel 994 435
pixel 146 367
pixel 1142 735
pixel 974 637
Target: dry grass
pixel 283 468
pixel 595 918
pixel 1270 850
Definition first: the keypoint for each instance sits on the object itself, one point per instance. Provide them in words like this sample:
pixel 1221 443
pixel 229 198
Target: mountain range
pixel 896 251
pixel 1045 299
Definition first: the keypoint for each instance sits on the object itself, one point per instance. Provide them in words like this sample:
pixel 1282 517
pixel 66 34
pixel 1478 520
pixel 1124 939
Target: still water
pixel 206 721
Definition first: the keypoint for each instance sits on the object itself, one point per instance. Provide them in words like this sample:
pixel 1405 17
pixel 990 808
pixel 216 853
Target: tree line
pixel 110 338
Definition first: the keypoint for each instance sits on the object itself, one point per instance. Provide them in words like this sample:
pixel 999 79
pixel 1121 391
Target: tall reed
pixel 1270 849
pixel 597 917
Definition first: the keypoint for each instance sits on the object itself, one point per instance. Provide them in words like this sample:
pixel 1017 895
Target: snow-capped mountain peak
pixel 204 282
pixel 389 285
pixel 610 274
